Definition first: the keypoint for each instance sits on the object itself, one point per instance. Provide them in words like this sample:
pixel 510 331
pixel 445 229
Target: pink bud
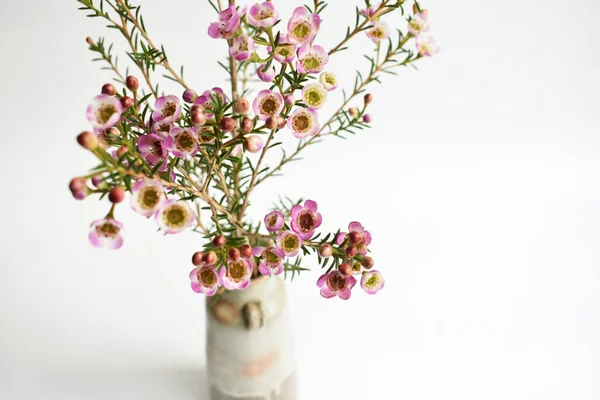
pixel 197 258
pixel 97 180
pixel 353 112
pixel 109 89
pixel 132 83
pixel 289 100
pixel 227 124
pixel 271 123
pixel 116 195
pixel 241 106
pixel 246 250
pixel 126 102
pixel 266 76
pixel 367 119
pixel 189 96
pixel 326 250
pixel 87 140
pixel 253 143
pixel 247 125
pixel 76 184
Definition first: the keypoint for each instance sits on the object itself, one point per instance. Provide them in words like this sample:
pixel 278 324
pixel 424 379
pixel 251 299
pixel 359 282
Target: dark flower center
pixel 264 14
pixel 150 198
pixel 237 270
pixel 271 258
pixel 306 221
pixel 290 242
pixel 164 128
pixel 301 122
pixel 206 276
pixel 312 62
pixel 336 282
pixel 108 229
pixel 301 30
pixel 175 216
pixel 169 109
pixel 185 141
pixel 284 51
pixel 156 147
pixel 105 112
pixel 269 105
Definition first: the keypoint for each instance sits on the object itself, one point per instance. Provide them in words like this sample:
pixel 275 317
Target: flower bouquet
pixel 193 161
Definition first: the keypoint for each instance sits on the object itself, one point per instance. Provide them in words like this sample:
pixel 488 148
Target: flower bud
pixel 415 8
pixel 87 140
pixel 271 123
pixel 189 96
pixel 234 253
pixel 109 89
pixel 281 122
pixel 345 269
pixel 219 241
pixel 241 106
pixel 351 251
pixel 97 180
pixel 246 250
pixel 197 258
pixel 116 195
pixel 353 112
pixel 247 125
pixel 289 100
pixel 227 124
pixel 368 262
pixel 121 151
pixel 209 258
pixel 355 237
pixel 326 250
pixel 196 108
pixel 89 41
pixel 367 119
pixel 76 184
pixel 126 102
pixel 253 144
pixel 198 118
pixel 79 194
pixel 368 98
pixel 132 83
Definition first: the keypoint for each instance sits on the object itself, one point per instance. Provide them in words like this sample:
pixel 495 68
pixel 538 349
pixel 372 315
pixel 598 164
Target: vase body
pixel 249 343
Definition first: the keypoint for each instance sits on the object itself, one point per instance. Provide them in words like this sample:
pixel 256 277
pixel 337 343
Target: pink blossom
pixel 365 236
pixel 207 98
pixel 427 46
pixel 104 111
pixel 303 26
pixel 167 109
pixel 372 281
pixel 152 148
pixel 369 12
pixel 268 103
pixel 289 243
pixel 237 274
pixel 314 95
pixel 418 24
pixel 303 122
pixel 242 48
pixel 274 221
pixel 263 15
pixel 285 51
pixel 227 25
pixel 305 219
pixel 205 279
pixel 378 31
pixel 106 233
pixel 162 129
pixel 335 284
pixel 271 260
pixel 311 59
pixel 328 80
pixel 266 76
pixel 147 196
pixel 182 142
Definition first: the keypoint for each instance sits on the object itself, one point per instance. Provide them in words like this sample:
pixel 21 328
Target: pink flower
pixel 303 26
pixel 303 122
pixel 263 15
pixel 361 233
pixel 271 262
pixel 227 25
pixel 372 281
pixel 205 279
pixel 418 24
pixel 274 221
pixel 174 216
pixel 147 196
pixel 306 219
pixel 335 284
pixel 106 232
pixel 265 76
pixel 209 96
pixel 166 109
pixel 182 142
pixel 237 274
pixel 242 48
pixel 311 59
pixel 378 31
pixel 285 51
pixel 104 111
pixel 161 129
pixel 369 12
pixel 152 148
pixel 289 243
pixel 427 46
pixel 328 80
pixel 267 103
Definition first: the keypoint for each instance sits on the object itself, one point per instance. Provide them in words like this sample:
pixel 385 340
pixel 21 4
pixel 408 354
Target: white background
pixel 480 182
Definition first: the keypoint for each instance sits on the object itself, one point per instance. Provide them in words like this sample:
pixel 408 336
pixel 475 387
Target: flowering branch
pixel 179 156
